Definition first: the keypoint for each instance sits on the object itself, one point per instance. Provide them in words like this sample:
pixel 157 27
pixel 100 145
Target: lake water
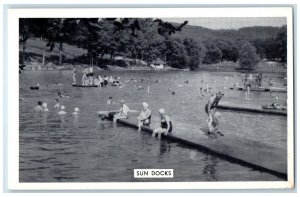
pixel 57 148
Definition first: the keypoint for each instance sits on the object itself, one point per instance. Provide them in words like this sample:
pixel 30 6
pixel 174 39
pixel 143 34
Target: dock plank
pixel 244 151
pixel 249 108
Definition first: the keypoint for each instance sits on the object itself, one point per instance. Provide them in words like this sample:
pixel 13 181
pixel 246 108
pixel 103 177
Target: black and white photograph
pixel 155 99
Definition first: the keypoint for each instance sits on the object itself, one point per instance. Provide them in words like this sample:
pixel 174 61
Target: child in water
pixel 57 105
pixel 39 107
pixel 76 111
pixel 45 107
pixel 62 110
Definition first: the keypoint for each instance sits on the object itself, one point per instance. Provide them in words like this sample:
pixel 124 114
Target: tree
pixel 177 55
pixel 193 52
pixel 248 57
pixel 213 53
pixel 282 43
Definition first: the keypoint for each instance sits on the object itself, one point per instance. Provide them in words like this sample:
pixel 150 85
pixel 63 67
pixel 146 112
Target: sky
pixel 230 22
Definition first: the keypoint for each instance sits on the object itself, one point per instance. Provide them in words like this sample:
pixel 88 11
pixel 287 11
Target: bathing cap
pixel 162 111
pixel 76 109
pixel 62 107
pixel 44 104
pixel 145 105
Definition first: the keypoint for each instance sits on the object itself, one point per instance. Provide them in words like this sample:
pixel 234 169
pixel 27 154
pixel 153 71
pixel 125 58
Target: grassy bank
pixel 76 57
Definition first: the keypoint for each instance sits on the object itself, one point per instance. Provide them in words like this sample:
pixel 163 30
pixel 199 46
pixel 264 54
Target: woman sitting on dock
pixel 123 112
pixel 165 125
pixel 145 116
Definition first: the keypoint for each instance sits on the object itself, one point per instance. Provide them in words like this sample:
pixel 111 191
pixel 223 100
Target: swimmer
pixel 39 107
pixel 145 116
pixel 140 88
pixel 62 95
pixel 57 105
pixel 109 100
pixel 62 110
pixel 123 112
pixel 76 111
pixel 165 125
pixel 45 107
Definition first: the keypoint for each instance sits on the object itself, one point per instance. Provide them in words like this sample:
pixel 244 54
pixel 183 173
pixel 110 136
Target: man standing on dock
pixel 210 108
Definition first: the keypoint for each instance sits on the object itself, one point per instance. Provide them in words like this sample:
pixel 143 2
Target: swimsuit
pixel 164 125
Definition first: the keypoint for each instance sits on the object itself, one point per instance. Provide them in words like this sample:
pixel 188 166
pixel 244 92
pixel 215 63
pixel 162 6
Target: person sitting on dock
pixel 145 116
pixel 123 112
pixel 165 125
pixel 39 107
pixel 105 80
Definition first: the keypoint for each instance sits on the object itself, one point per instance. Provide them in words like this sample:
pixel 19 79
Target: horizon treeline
pixel 179 45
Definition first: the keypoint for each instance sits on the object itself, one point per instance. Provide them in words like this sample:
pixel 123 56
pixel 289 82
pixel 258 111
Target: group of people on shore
pixel 89 79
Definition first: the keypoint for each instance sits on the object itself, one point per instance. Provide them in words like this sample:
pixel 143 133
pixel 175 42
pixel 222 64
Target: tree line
pixel 147 39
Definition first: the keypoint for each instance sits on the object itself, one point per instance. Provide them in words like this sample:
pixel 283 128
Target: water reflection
pixel 209 169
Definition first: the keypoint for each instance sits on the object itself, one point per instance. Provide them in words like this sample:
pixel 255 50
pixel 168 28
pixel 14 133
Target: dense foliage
pixel 179 45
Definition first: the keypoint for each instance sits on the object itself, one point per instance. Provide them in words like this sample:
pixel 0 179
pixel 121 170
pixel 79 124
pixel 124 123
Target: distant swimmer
pixel 165 125
pixel 123 112
pixel 271 82
pixel 62 95
pixel 76 111
pixel 45 106
pixel 109 100
pixel 62 110
pixel 140 88
pixel 39 107
pixel 145 116
pixel 74 76
pixel 57 105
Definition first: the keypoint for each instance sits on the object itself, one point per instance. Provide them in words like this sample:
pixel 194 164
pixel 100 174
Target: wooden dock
pixel 245 152
pixel 84 86
pixel 249 108
pixel 263 89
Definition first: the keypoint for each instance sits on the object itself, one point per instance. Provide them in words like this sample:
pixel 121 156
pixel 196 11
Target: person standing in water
pixel 84 76
pixel 145 116
pixel 123 112
pixel 39 107
pixel 57 105
pixel 165 125
pixel 74 76
pixel 62 110
pixel 91 75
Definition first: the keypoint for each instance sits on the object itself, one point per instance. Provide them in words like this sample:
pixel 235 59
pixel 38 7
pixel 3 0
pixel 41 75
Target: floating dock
pixel 245 152
pixel 262 89
pixel 84 86
pixel 248 108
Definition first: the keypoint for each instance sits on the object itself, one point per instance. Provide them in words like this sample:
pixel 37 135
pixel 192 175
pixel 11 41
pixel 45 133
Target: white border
pixel 13 93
